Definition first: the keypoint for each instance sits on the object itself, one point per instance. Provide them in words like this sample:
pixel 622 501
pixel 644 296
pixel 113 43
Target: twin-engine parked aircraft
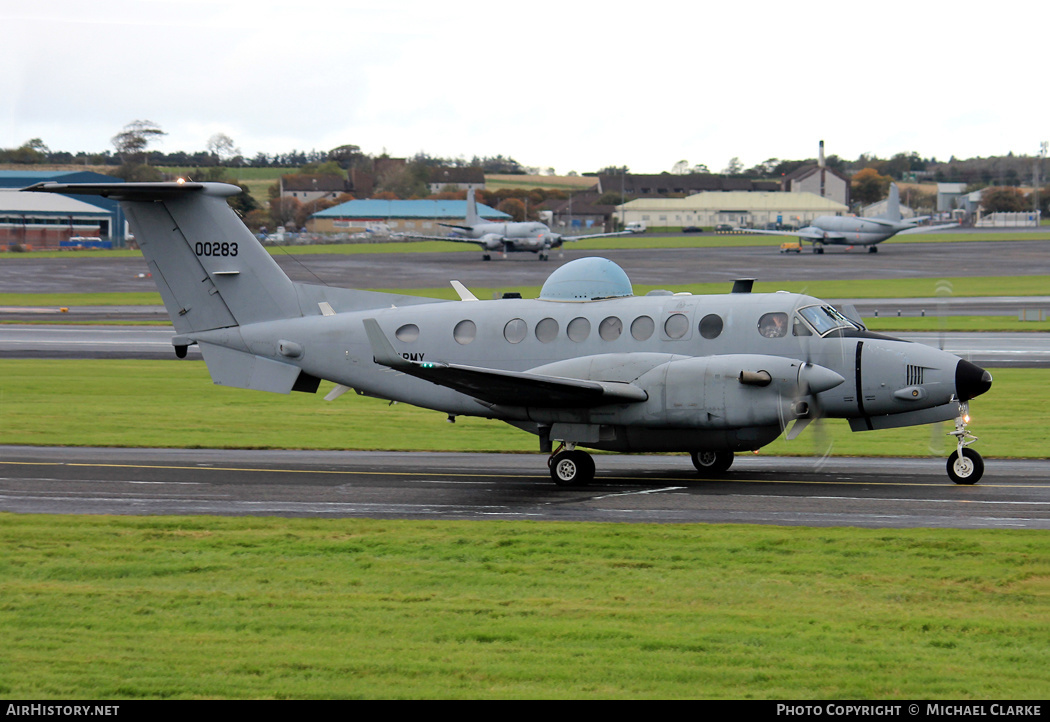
pixel 854 231
pixel 521 236
pixel 587 364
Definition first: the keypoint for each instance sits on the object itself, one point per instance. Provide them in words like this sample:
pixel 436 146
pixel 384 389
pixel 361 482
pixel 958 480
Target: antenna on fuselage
pixel 743 285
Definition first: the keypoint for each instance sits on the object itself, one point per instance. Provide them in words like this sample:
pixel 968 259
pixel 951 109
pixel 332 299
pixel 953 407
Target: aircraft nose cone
pixel 971 380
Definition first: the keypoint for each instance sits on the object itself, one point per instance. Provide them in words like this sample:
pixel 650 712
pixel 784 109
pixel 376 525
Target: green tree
pixel 734 167
pixel 132 141
pixel 868 186
pixel 402 182
pixel 345 155
pixel 222 147
pixel 1003 199
pixel 512 207
pixel 31 152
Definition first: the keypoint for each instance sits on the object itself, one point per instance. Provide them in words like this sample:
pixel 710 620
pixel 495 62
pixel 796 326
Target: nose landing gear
pixel 965 466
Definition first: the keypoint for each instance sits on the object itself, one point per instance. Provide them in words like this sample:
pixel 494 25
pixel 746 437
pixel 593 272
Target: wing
pixel 454 239
pixel 808 233
pixel 926 229
pixel 598 235
pixel 505 388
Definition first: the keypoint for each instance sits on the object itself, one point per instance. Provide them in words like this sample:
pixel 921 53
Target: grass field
pixel 262 608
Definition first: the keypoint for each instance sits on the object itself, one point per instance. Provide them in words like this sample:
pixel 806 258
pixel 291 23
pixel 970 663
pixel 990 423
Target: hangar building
pixel 35 219
pixel 422 216
pixel 753 209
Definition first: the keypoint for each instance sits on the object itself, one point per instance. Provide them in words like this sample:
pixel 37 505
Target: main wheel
pixel 965 469
pixel 572 468
pixel 712 462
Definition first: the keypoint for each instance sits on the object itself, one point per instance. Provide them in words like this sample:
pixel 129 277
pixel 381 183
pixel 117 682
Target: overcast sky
pixel 571 85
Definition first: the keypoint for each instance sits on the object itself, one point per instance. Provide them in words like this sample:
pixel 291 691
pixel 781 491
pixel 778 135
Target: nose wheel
pixel 965 466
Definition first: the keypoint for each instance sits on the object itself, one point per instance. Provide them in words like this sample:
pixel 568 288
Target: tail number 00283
pixel 216 249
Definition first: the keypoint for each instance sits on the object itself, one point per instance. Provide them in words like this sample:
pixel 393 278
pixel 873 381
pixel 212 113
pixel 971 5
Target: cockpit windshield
pixel 825 319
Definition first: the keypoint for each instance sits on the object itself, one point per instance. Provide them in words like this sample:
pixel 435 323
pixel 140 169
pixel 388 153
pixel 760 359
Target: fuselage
pixel 857 231
pixel 686 352
pixel 529 236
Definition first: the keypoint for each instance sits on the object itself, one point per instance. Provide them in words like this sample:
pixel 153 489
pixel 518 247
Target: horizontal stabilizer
pixel 135 191
pixel 505 388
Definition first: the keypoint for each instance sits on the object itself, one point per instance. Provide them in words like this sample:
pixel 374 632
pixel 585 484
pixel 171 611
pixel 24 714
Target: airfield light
pixel 180 180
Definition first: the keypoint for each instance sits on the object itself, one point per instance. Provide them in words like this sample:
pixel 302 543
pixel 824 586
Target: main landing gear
pixel 571 467
pixel 712 463
pixel 965 466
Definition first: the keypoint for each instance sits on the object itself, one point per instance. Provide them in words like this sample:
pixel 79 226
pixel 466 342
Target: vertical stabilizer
pixel 823 169
pixel 473 218
pixel 893 204
pixel 210 270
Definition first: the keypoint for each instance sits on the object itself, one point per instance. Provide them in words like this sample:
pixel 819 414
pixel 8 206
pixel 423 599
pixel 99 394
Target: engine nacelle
pixel 731 391
pixel 492 242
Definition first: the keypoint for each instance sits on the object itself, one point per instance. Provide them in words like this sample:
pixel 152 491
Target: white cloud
pixel 550 84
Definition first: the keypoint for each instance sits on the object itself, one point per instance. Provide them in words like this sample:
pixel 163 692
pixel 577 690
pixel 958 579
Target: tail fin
pixel 893 204
pixel 209 269
pixel 473 218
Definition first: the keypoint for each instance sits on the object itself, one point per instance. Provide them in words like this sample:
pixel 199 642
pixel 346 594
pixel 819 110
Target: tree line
pixel 133 160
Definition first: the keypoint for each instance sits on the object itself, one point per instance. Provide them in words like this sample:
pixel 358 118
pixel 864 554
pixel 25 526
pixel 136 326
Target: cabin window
pixel 676 326
pixel 547 330
pixel 464 332
pixel 711 326
pixel 799 327
pixel 515 330
pixel 642 328
pixel 826 319
pixel 579 329
pixel 773 325
pixel 610 329
pixel 407 333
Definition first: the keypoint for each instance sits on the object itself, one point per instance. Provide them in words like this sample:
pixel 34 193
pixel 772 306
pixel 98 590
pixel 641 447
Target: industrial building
pixel 43 220
pixel 421 216
pixel 754 209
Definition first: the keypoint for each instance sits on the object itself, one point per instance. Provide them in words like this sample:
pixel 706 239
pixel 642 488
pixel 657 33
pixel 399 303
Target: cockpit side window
pixel 773 325
pixel 825 319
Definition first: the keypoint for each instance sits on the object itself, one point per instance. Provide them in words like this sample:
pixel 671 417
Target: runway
pixel 654 267
pixel 871 493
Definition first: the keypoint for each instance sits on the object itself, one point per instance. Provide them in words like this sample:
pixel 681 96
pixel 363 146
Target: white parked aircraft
pixel 512 237
pixel 856 231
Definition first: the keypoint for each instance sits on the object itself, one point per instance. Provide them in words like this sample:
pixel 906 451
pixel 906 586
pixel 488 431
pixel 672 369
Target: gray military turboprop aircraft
pixel 520 236
pixel 854 231
pixel 587 364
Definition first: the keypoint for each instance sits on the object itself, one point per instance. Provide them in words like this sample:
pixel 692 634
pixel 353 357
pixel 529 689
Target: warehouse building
pixel 38 220
pixel 421 216
pixel 754 209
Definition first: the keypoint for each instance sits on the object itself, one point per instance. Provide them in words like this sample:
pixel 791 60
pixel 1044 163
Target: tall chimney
pixel 820 164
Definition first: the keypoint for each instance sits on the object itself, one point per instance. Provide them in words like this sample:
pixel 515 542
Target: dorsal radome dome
pixel 587 279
